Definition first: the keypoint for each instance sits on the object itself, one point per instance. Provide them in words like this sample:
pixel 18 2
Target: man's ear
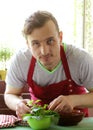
pixel 61 36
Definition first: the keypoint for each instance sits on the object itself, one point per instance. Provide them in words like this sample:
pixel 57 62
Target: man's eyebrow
pixel 49 38
pixel 42 40
pixel 35 41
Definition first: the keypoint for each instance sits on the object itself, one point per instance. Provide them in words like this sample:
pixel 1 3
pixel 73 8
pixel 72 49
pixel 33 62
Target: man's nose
pixel 44 49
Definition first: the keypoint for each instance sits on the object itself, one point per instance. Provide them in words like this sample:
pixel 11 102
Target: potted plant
pixel 5 54
pixel 40 117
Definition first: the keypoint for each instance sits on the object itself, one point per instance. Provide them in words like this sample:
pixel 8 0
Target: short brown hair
pixel 37 20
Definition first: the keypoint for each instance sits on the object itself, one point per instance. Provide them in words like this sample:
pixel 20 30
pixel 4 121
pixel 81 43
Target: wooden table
pixel 85 124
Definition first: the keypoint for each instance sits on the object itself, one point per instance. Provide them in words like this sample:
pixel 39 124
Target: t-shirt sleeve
pixel 17 70
pixel 86 71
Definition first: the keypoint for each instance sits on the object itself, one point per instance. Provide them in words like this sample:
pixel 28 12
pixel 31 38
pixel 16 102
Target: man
pixel 55 72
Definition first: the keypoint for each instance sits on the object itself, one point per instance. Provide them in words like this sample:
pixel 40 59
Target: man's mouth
pixel 45 58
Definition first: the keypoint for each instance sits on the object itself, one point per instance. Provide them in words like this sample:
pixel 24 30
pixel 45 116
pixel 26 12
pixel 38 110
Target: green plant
pixel 38 111
pixel 5 54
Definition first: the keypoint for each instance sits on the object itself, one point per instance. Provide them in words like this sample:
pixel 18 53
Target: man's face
pixel 45 43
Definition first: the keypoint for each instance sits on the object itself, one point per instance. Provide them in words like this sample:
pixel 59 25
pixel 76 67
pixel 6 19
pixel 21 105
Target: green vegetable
pixel 38 111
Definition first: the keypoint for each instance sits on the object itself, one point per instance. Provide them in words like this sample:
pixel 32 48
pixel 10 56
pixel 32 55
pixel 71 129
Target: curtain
pixel 88 26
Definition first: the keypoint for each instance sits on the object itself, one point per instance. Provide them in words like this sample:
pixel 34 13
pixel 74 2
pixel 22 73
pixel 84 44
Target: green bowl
pixel 40 123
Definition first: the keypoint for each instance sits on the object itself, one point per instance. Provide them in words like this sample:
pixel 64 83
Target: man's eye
pixel 50 41
pixel 35 43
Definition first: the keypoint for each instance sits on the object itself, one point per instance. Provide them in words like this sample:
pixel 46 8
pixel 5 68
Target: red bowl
pixel 69 119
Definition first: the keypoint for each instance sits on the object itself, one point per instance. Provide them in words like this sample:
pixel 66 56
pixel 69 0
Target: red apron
pixel 48 93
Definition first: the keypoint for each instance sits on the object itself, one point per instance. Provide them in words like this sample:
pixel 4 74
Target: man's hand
pixel 61 103
pixel 22 108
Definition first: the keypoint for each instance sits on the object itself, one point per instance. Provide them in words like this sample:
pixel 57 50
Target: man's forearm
pixel 12 100
pixel 83 100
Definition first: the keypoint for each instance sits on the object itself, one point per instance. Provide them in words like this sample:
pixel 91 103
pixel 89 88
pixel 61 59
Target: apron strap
pixel 31 70
pixel 65 64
